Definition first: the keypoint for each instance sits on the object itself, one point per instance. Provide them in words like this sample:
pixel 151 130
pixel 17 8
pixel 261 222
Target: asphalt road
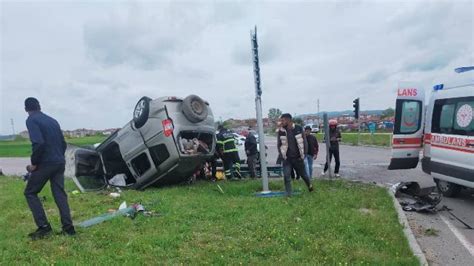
pixel 451 244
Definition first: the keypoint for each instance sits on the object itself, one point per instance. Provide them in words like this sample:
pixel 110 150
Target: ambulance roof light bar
pixel 464 69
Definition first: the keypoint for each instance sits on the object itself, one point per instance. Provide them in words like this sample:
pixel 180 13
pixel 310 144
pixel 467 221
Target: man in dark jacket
pixel 334 139
pixel 292 147
pixel 312 153
pixel 251 151
pixel 47 164
pixel 229 153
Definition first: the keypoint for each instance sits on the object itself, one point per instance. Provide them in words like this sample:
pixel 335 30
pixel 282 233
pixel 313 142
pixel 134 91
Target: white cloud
pixel 89 63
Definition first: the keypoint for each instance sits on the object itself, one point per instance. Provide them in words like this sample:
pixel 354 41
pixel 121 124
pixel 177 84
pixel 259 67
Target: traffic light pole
pixel 358 122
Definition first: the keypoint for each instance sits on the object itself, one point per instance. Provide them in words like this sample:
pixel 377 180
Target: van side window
pixel 159 154
pixel 408 119
pixel 141 164
pixel 454 116
pixel 446 119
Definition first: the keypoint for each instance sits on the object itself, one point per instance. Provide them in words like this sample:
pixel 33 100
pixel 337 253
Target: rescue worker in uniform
pixel 334 139
pixel 229 153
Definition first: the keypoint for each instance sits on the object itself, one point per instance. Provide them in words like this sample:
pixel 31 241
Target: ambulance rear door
pixel 408 129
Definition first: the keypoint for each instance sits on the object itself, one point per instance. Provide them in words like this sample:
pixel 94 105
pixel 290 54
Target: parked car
pixel 167 141
pixel 314 127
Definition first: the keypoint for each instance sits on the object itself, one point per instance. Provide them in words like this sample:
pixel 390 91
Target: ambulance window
pixel 463 118
pixel 409 119
pixel 446 118
pixel 454 116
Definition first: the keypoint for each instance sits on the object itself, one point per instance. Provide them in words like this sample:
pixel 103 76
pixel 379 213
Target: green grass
pixel 340 222
pixel 377 139
pixel 22 147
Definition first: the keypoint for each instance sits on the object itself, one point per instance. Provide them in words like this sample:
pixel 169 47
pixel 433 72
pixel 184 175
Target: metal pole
pixel 328 143
pixel 358 125
pixel 258 106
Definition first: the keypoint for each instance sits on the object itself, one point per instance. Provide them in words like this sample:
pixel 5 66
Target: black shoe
pixel 68 232
pixel 311 188
pixel 41 232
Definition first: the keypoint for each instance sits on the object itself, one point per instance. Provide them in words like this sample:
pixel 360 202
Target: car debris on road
pixel 414 198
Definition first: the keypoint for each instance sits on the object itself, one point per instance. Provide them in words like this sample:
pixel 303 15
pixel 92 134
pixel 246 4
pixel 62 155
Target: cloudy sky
pixel 89 62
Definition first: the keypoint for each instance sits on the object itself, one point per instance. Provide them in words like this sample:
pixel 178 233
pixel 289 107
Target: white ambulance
pixel 443 128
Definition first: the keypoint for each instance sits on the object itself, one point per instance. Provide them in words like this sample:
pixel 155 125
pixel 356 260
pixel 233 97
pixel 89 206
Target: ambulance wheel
pixel 195 109
pixel 447 188
pixel 141 112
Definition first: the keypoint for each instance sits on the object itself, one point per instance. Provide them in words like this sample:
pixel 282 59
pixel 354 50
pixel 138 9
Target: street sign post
pixel 258 106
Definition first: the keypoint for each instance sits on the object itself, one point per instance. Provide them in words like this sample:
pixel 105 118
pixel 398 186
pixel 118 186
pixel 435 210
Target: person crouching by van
pixel 312 153
pixel 229 153
pixel 334 139
pixel 291 145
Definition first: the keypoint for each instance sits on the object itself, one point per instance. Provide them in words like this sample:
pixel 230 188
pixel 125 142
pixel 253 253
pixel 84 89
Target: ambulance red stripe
pixel 452 148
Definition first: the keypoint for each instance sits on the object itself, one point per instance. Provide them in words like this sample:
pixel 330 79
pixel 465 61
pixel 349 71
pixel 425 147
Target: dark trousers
pixel 334 153
pixel 55 174
pixel 231 161
pixel 298 165
pixel 252 164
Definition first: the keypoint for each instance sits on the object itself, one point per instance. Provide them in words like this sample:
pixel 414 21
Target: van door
pixel 89 174
pixel 408 129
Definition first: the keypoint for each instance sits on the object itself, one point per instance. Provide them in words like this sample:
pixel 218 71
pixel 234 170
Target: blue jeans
pixel 308 164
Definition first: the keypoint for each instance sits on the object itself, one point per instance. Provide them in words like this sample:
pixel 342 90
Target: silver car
pixel 168 140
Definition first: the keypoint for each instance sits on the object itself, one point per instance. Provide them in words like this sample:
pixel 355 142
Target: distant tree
pixel 274 114
pixel 389 112
pixel 298 121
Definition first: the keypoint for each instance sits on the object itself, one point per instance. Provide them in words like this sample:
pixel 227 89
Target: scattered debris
pixel 414 198
pixel 118 180
pixel 123 210
pixel 75 192
pixel 298 219
pixel 123 205
pixel 220 189
pixel 445 208
pixel 114 195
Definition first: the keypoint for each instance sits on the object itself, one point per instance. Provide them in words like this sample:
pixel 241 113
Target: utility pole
pixel 258 106
pixel 327 139
pixel 319 119
pixel 13 126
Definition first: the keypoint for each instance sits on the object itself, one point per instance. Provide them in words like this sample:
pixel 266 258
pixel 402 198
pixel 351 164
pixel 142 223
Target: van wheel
pixel 447 188
pixel 194 108
pixel 141 112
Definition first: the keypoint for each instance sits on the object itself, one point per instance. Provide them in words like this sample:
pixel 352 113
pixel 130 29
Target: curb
pixel 414 246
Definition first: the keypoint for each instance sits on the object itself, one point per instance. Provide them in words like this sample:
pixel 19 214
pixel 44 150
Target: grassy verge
pixel 340 222
pixel 376 139
pixel 22 147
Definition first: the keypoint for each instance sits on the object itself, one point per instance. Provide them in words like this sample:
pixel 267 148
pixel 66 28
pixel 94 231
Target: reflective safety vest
pixel 226 142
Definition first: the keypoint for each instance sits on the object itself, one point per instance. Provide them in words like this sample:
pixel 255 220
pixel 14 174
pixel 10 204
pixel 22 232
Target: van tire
pixel 141 112
pixel 448 189
pixel 194 108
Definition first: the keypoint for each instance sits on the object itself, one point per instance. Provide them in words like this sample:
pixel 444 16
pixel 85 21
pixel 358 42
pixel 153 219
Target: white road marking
pixel 468 245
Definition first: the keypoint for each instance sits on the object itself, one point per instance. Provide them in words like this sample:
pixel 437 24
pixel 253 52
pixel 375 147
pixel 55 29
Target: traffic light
pixel 356 108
